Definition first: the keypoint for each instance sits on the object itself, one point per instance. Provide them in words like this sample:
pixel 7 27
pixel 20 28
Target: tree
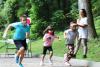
pixel 86 4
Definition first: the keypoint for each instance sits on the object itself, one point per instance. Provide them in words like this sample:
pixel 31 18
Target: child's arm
pixel 57 37
pixel 44 37
pixel 6 30
pixel 27 35
pixel 65 35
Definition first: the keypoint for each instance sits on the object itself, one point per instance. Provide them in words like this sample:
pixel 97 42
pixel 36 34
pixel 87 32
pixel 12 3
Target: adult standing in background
pixel 83 33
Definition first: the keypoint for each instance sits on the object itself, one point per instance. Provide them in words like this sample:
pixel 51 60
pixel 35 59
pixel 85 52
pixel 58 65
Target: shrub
pixel 58 20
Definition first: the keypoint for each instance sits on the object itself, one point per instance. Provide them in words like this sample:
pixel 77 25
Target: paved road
pixel 57 62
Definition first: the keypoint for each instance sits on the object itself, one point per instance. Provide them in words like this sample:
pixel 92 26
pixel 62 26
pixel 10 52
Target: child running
pixel 21 33
pixel 70 36
pixel 48 39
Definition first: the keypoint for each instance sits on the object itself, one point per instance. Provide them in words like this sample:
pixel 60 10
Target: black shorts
pixel 20 43
pixel 47 48
pixel 70 46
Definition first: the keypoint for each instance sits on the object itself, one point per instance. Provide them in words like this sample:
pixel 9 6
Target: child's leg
pixel 17 44
pixel 71 51
pixel 77 47
pixel 69 55
pixel 42 59
pixel 50 52
pixel 44 53
pixel 22 51
pixel 66 59
pixel 50 55
pixel 43 56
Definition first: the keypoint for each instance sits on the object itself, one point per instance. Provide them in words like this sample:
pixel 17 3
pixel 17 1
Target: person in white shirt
pixel 83 33
pixel 70 35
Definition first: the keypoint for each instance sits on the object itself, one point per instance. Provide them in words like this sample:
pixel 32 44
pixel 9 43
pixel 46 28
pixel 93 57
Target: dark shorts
pixel 70 46
pixel 47 48
pixel 20 43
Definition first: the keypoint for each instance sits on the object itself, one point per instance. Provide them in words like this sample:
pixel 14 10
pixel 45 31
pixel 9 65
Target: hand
pixel 27 40
pixel 4 36
pixel 59 39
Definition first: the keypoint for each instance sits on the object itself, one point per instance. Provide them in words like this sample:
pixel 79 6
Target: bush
pixel 74 11
pixel 97 22
pixel 20 11
pixel 38 27
pixel 58 20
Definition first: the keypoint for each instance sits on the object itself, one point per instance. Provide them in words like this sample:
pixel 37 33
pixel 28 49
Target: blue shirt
pixel 20 30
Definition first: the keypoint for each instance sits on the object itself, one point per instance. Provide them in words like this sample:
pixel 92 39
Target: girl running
pixel 48 39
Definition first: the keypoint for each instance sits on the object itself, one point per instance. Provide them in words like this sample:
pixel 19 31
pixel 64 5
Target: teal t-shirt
pixel 20 30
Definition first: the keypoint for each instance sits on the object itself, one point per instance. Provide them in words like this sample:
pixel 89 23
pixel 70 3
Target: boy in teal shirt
pixel 21 33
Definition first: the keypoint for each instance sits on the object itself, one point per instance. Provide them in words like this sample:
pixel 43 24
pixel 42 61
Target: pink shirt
pixel 48 39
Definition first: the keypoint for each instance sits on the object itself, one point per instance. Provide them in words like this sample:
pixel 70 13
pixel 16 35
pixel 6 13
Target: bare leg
pixel 77 47
pixel 43 56
pixel 50 55
pixel 84 43
pixel 42 59
pixel 21 51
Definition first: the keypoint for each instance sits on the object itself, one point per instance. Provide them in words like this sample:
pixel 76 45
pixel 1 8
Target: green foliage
pixel 58 20
pixel 21 11
pixel 74 11
pixel 97 21
pixel 38 27
pixel 34 13
pixel 6 11
pixel 96 8
pixel 57 13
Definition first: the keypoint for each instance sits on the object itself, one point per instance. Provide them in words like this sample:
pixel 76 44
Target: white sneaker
pixel 67 64
pixel 41 63
pixel 50 62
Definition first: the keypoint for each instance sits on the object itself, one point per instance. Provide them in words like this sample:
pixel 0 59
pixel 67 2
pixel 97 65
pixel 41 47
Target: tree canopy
pixel 57 13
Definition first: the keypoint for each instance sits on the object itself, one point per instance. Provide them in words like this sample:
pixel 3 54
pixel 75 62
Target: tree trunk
pixel 86 4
